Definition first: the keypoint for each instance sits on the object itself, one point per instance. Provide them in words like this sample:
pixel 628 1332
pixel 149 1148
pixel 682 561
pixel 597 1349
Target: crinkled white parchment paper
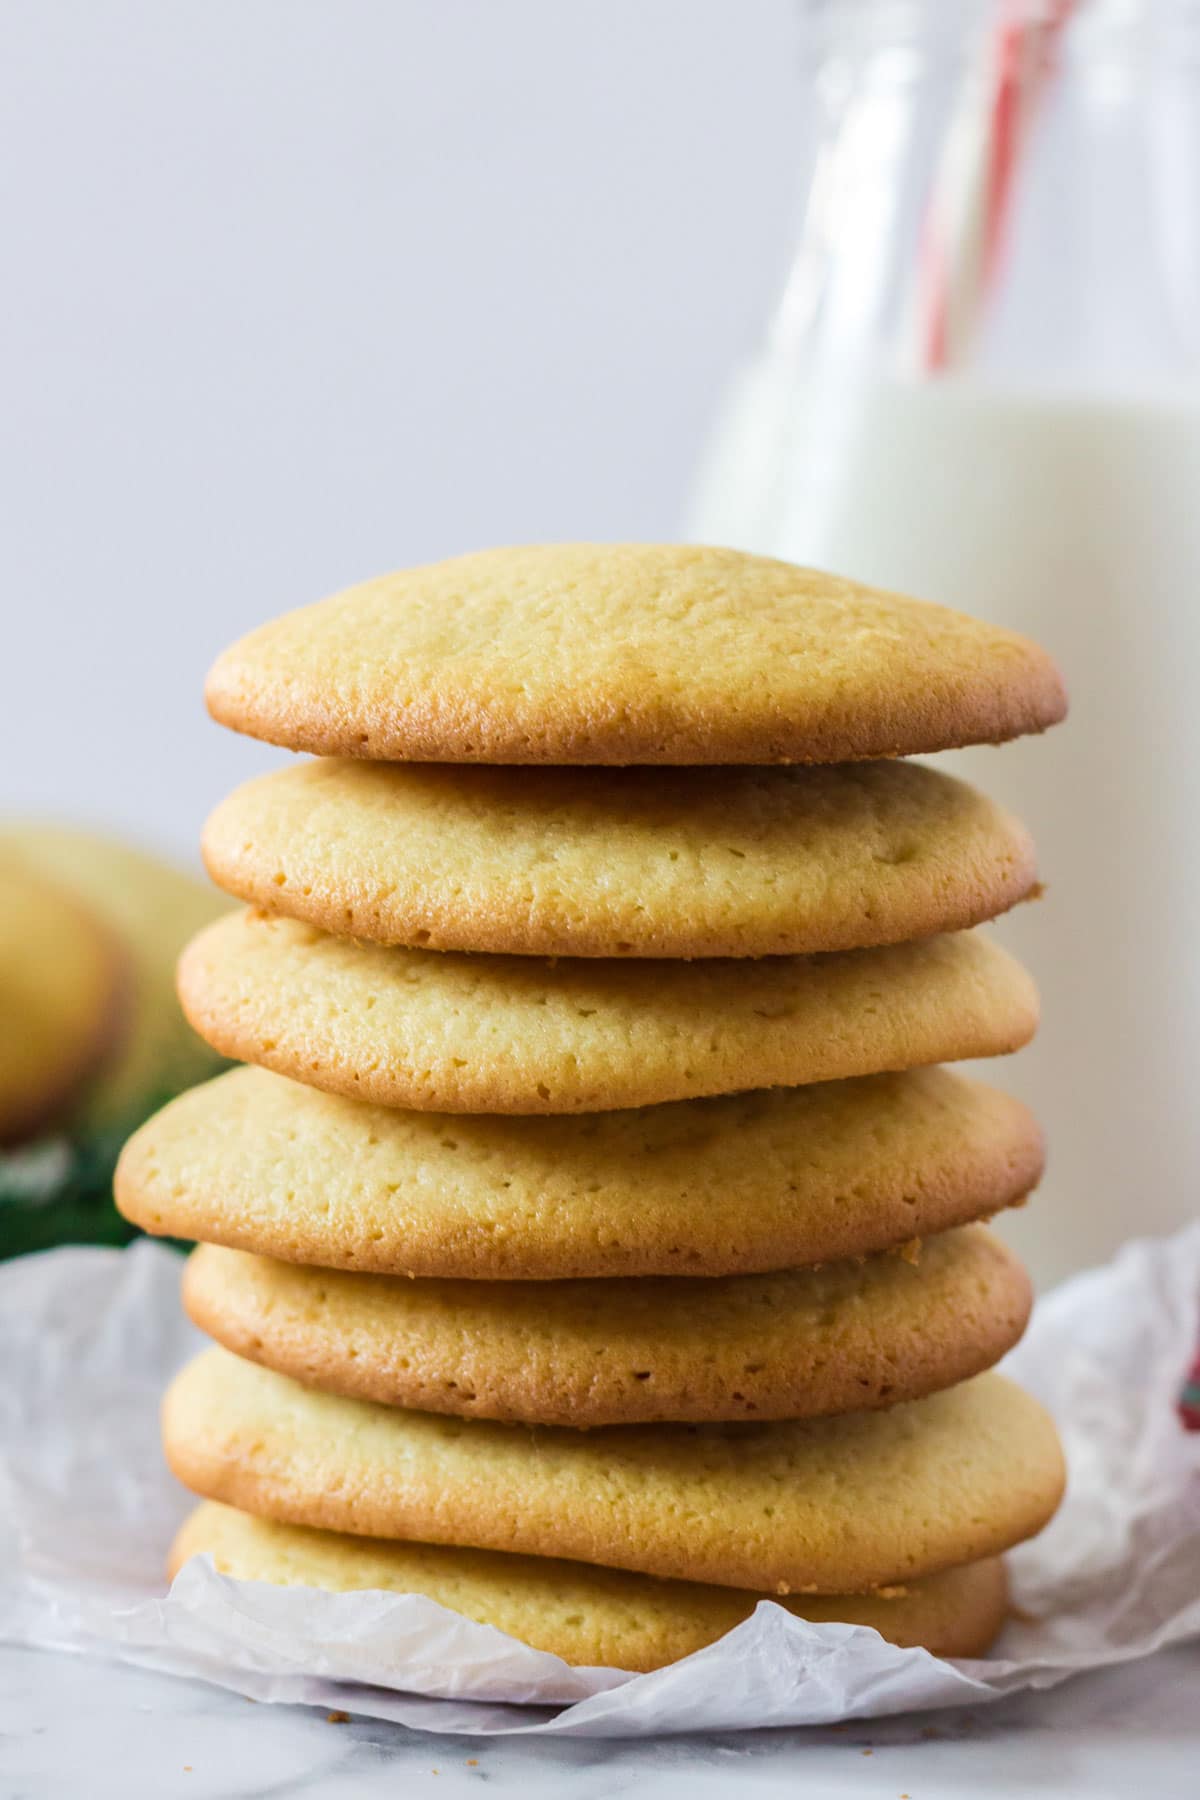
pixel 88 1339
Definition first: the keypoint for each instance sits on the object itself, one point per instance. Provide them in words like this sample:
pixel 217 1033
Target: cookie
pixel 151 908
pixel 794 1345
pixel 745 1183
pixel 620 862
pixel 629 653
pixel 456 1033
pixel 63 993
pixel 829 1506
pixel 590 1617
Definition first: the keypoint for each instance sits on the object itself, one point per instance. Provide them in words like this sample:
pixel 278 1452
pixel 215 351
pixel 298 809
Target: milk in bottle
pixel 1016 433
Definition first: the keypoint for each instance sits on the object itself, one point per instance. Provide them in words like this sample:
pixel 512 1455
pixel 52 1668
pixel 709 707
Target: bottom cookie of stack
pixel 691 1524
pixel 588 1616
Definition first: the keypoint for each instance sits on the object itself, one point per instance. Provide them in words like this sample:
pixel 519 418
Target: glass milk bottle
pixel 981 386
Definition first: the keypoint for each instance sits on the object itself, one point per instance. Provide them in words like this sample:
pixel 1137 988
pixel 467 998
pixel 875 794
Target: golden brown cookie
pixel 748 1182
pixel 828 1506
pixel 151 908
pixel 620 862
pixel 629 653
pixel 590 1617
pixel 795 1345
pixel 453 1033
pixel 63 988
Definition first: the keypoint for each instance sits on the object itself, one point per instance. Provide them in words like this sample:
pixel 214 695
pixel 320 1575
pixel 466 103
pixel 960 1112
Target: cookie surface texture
pixel 829 1506
pixel 794 1345
pixel 745 1183
pixel 620 862
pixel 455 1033
pixel 629 653
pixel 591 1617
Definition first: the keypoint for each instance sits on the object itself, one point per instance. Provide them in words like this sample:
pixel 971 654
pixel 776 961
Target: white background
pixel 296 291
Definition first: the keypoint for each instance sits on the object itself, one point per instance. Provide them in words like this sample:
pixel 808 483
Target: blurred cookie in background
pixel 92 1039
pixel 63 991
pixel 152 907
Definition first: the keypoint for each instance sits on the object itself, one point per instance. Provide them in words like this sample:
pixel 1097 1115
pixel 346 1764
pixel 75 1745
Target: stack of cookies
pixel 593 1243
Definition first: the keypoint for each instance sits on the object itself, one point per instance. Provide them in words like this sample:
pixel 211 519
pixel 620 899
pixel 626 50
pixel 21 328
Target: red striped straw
pixel 965 226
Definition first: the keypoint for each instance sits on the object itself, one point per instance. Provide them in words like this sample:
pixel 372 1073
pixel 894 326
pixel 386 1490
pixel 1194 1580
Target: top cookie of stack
pixel 629 653
pixel 785 908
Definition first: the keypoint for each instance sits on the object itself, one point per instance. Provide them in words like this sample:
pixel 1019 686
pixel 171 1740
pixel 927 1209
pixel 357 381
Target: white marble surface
pixel 71 1726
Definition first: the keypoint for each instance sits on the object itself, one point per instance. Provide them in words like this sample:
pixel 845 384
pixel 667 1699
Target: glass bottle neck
pixel 1088 269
